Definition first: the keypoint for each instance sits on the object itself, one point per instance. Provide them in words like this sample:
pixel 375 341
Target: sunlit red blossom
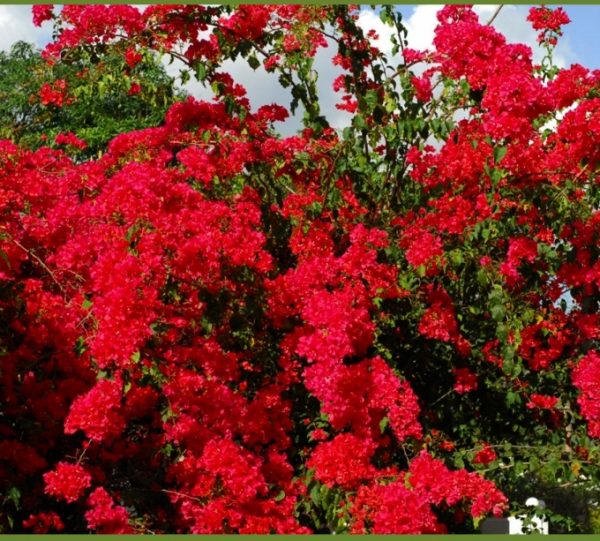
pixel 431 477
pixel 343 461
pixel 520 250
pixel 42 13
pixel 70 139
pixel 465 381
pixel 423 248
pixel 570 85
pixel 586 377
pixel 197 163
pixel 104 516
pixel 423 89
pixel 485 455
pixel 542 401
pixel 291 43
pixel 43 523
pixel 547 20
pixel 465 47
pixel 340 328
pixel 53 94
pixel 428 483
pixel 360 395
pixel 97 412
pixel 439 321
pixel 318 435
pixel 348 104
pixel 132 57
pixel 67 481
pixel 196 301
pixel 134 88
pixel 271 62
pixel 392 508
pixel 230 491
pixel 412 56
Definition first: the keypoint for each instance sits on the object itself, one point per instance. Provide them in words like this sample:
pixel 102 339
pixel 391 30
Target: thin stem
pixel 495 14
pixel 41 263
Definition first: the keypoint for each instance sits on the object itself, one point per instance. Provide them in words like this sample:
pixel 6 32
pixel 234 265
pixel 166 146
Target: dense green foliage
pixel 98 101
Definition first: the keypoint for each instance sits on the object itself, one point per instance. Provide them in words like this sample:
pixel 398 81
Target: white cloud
pixel 369 20
pixel 16 25
pixel 420 26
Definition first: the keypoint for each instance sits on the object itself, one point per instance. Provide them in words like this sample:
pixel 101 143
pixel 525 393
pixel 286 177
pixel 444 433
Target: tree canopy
pixel 94 96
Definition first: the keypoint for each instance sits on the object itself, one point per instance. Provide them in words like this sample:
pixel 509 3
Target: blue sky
pixel 584 33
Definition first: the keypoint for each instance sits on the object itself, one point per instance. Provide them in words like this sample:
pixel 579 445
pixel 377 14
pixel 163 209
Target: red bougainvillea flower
pixel 70 139
pixel 132 57
pixel 485 455
pixel 42 13
pixel 548 21
pixel 344 461
pixel 43 523
pixel 464 380
pixel 97 412
pixel 53 94
pixel 67 481
pixel 104 516
pixel 586 377
pixel 134 88
pixel 542 401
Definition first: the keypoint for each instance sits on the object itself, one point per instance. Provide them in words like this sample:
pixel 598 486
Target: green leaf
pixel 371 99
pixel 184 76
pixel 359 122
pixel 13 495
pixel 200 70
pixel 253 62
pixel 498 312
pixel 4 257
pixel 482 278
pixel 315 494
pixel 502 332
pixel 456 257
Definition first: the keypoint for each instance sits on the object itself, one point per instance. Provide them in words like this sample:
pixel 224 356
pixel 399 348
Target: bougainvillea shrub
pixel 392 328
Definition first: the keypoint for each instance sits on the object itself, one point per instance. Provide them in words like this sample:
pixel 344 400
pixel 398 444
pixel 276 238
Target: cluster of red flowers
pixel 549 21
pixel 208 322
pixel 405 506
pixel 586 376
pixel 53 94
